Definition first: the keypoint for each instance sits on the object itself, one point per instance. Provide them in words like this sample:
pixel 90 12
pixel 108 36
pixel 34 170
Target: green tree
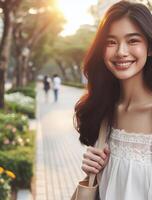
pixel 8 8
pixel 34 20
pixel 68 52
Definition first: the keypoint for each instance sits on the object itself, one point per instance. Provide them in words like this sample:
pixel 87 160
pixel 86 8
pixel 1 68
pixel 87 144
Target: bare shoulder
pixel 146 107
pixel 149 106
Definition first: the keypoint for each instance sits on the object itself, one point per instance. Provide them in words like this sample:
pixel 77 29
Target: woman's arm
pixel 94 160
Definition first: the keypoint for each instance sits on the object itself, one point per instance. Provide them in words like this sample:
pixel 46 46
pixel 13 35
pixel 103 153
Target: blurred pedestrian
pixel 56 83
pixel 46 86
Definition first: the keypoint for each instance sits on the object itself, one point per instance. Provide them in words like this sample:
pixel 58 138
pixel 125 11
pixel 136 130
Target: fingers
pixel 106 149
pixel 96 151
pixel 94 160
pixel 94 164
pixel 89 169
pixel 90 166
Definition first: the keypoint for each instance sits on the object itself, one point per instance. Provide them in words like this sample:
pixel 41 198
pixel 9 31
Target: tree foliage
pixel 34 20
pixel 68 53
pixel 24 23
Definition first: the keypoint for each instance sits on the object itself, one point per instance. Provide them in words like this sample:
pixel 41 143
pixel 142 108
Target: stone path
pixel 59 153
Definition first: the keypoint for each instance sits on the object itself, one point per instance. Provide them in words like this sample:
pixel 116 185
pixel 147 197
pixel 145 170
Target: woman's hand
pixel 94 160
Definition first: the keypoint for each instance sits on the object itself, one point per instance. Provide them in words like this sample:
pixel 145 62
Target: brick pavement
pixel 59 152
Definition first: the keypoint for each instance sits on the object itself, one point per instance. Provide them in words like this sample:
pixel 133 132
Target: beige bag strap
pixel 100 145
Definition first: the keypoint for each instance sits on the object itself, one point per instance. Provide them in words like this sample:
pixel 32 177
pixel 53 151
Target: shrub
pixel 18 120
pixel 13 131
pixel 27 91
pixel 5 188
pixel 17 102
pixel 15 107
pixel 20 161
pixel 74 84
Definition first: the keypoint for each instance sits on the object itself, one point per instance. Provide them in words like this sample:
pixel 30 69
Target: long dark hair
pixel 103 89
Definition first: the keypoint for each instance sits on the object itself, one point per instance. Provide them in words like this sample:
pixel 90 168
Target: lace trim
pixel 131 146
pixel 122 135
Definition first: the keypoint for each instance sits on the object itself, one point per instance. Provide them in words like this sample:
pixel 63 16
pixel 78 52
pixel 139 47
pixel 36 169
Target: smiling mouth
pixel 122 65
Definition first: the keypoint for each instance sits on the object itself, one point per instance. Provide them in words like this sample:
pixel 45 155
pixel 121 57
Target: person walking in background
pixel 118 67
pixel 46 86
pixel 56 83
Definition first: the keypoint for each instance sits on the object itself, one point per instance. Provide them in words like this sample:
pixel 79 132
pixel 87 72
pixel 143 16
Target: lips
pixel 122 65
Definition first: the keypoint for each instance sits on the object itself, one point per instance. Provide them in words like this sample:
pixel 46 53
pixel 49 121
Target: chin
pixel 123 76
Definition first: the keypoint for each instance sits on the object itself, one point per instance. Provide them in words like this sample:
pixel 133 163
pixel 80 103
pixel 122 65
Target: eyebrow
pixel 127 35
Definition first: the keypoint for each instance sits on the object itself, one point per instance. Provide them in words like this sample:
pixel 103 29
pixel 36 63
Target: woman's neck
pixel 134 92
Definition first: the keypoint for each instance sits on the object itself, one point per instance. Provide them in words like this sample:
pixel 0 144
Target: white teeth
pixel 123 64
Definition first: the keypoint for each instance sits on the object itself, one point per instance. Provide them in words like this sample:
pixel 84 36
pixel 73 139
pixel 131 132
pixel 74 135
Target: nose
pixel 122 50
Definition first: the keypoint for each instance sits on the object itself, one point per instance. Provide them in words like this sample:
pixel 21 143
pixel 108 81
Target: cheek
pixel 108 53
pixel 141 51
pixel 141 55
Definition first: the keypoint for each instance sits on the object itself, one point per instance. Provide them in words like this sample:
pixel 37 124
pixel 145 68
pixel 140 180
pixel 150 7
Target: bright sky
pixel 76 13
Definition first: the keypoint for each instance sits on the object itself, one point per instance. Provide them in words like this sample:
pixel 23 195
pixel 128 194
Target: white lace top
pixel 128 173
pixel 135 146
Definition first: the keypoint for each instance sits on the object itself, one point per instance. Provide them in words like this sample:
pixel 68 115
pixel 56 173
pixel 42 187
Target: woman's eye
pixel 133 41
pixel 110 42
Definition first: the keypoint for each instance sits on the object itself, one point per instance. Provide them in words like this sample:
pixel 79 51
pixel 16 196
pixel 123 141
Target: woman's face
pixel 126 49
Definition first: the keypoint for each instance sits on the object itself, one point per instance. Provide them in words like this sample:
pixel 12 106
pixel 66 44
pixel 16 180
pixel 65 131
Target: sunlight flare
pixel 76 14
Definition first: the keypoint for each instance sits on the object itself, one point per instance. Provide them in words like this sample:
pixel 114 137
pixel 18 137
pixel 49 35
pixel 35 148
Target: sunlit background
pixel 76 13
pixel 40 38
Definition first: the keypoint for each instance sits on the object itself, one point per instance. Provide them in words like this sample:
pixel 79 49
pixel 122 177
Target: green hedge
pixel 15 107
pixel 20 161
pixel 20 121
pixel 14 131
pixel 27 91
pixel 73 84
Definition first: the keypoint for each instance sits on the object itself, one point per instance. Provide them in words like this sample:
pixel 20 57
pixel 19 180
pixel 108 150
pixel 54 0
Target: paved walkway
pixel 59 152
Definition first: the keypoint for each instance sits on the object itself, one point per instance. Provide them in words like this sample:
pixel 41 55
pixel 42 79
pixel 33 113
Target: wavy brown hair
pixel 103 89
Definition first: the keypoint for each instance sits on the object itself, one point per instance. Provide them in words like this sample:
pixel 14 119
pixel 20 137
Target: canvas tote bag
pixel 87 189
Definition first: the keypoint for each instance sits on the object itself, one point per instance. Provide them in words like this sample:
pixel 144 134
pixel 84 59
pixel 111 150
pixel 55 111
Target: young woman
pixel 118 67
pixel 56 83
pixel 46 86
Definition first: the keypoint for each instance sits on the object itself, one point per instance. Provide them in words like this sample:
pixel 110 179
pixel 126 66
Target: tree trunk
pixel 59 63
pixel 21 70
pixel 18 72
pixel 78 70
pixel 5 50
pixel 25 70
pixel 2 84
pixel 73 72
